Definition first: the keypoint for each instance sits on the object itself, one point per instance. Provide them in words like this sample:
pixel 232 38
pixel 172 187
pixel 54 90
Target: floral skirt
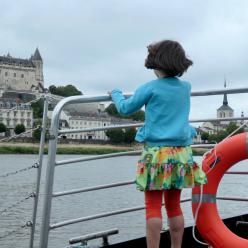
pixel 168 168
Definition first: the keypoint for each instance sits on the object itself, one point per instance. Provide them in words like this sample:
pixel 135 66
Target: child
pixel 166 164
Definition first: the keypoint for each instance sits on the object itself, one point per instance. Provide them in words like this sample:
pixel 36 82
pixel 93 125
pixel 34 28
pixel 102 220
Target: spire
pixel 36 55
pixel 225 102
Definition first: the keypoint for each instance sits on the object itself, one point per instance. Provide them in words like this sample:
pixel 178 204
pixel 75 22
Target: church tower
pixel 225 111
pixel 37 60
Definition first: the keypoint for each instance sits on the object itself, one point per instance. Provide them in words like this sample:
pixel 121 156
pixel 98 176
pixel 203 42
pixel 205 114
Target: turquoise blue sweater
pixel 167 106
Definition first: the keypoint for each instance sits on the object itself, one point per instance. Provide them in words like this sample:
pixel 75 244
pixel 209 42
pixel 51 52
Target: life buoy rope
pixel 215 164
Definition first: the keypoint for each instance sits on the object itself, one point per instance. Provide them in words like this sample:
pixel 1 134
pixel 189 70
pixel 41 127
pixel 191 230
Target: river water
pixel 79 175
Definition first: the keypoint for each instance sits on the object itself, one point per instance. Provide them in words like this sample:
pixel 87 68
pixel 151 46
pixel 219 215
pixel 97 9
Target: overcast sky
pixel 98 45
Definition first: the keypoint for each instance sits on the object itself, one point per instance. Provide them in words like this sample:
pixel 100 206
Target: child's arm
pixel 133 103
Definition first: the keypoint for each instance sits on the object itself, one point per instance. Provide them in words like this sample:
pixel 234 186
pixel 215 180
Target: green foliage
pixel 68 90
pixel 37 109
pixel 232 127
pixel 20 128
pixel 129 135
pixel 204 136
pixel 37 133
pixel 224 133
pixel 3 128
pixel 115 135
pixel 137 116
pixel 112 110
pixel 119 136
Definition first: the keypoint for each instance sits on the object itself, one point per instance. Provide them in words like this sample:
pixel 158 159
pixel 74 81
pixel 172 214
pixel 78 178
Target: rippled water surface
pixel 79 175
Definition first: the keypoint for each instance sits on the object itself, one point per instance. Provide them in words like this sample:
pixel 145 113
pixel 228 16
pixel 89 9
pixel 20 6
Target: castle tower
pixel 225 111
pixel 37 60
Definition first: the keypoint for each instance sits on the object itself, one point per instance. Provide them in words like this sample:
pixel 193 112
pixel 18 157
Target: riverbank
pixel 29 148
pixel 92 149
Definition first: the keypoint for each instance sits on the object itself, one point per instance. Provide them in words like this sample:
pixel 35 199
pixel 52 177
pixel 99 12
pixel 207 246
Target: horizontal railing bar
pixel 95 235
pixel 118 154
pixel 100 128
pixel 232 198
pixel 237 172
pixel 219 92
pixel 105 186
pixel 102 215
pixel 113 185
pixel 141 123
pixel 203 145
pixel 110 155
pixel 220 119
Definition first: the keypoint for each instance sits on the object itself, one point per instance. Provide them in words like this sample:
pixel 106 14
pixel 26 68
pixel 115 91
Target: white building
pixel 22 74
pixel 22 114
pixel 72 120
pixel 87 122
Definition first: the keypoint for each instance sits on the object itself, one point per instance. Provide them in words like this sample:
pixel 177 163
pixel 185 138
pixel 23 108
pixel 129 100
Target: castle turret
pixel 37 60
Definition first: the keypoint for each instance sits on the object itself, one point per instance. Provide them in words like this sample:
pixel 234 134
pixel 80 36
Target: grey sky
pixel 99 45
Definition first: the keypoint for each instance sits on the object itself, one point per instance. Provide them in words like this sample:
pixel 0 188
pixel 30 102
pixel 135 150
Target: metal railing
pixel 52 163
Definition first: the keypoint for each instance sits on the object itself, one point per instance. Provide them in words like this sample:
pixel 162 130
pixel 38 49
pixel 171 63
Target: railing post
pixel 53 135
pixel 40 160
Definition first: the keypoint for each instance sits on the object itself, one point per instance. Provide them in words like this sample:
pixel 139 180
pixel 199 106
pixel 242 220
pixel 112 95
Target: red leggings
pixel 153 201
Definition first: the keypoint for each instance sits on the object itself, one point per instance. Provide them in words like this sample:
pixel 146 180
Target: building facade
pixel 13 113
pixel 213 127
pixel 22 74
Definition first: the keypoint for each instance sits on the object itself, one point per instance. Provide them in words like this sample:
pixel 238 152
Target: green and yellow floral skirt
pixel 168 168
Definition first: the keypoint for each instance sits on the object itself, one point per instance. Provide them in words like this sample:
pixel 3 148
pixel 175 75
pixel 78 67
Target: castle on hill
pixel 22 74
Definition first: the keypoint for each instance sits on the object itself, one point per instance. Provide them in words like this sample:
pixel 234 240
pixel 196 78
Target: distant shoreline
pixel 29 148
pixel 84 149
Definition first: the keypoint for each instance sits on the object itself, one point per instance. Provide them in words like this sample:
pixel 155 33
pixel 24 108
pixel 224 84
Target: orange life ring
pixel 209 223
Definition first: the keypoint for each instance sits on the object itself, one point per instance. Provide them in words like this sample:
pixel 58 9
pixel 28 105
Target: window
pixel 14 74
pixel 22 76
pixel 6 73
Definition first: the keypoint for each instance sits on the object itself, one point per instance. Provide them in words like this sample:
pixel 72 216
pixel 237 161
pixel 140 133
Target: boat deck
pixel 188 240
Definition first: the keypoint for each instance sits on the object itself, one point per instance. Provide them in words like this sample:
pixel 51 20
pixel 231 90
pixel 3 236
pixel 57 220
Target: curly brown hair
pixel 167 56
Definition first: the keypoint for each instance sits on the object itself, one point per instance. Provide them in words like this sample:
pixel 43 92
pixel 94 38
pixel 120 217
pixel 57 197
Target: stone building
pixel 224 111
pixel 22 74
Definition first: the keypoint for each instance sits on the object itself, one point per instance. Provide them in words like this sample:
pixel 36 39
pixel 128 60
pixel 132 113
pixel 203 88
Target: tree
pixel 232 127
pixel 111 110
pixel 115 135
pixel 20 128
pixel 129 135
pixel 137 116
pixel 68 90
pixel 204 136
pixel 37 108
pixel 3 128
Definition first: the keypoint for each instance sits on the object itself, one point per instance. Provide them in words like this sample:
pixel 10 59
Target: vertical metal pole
pixel 45 225
pixel 40 160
